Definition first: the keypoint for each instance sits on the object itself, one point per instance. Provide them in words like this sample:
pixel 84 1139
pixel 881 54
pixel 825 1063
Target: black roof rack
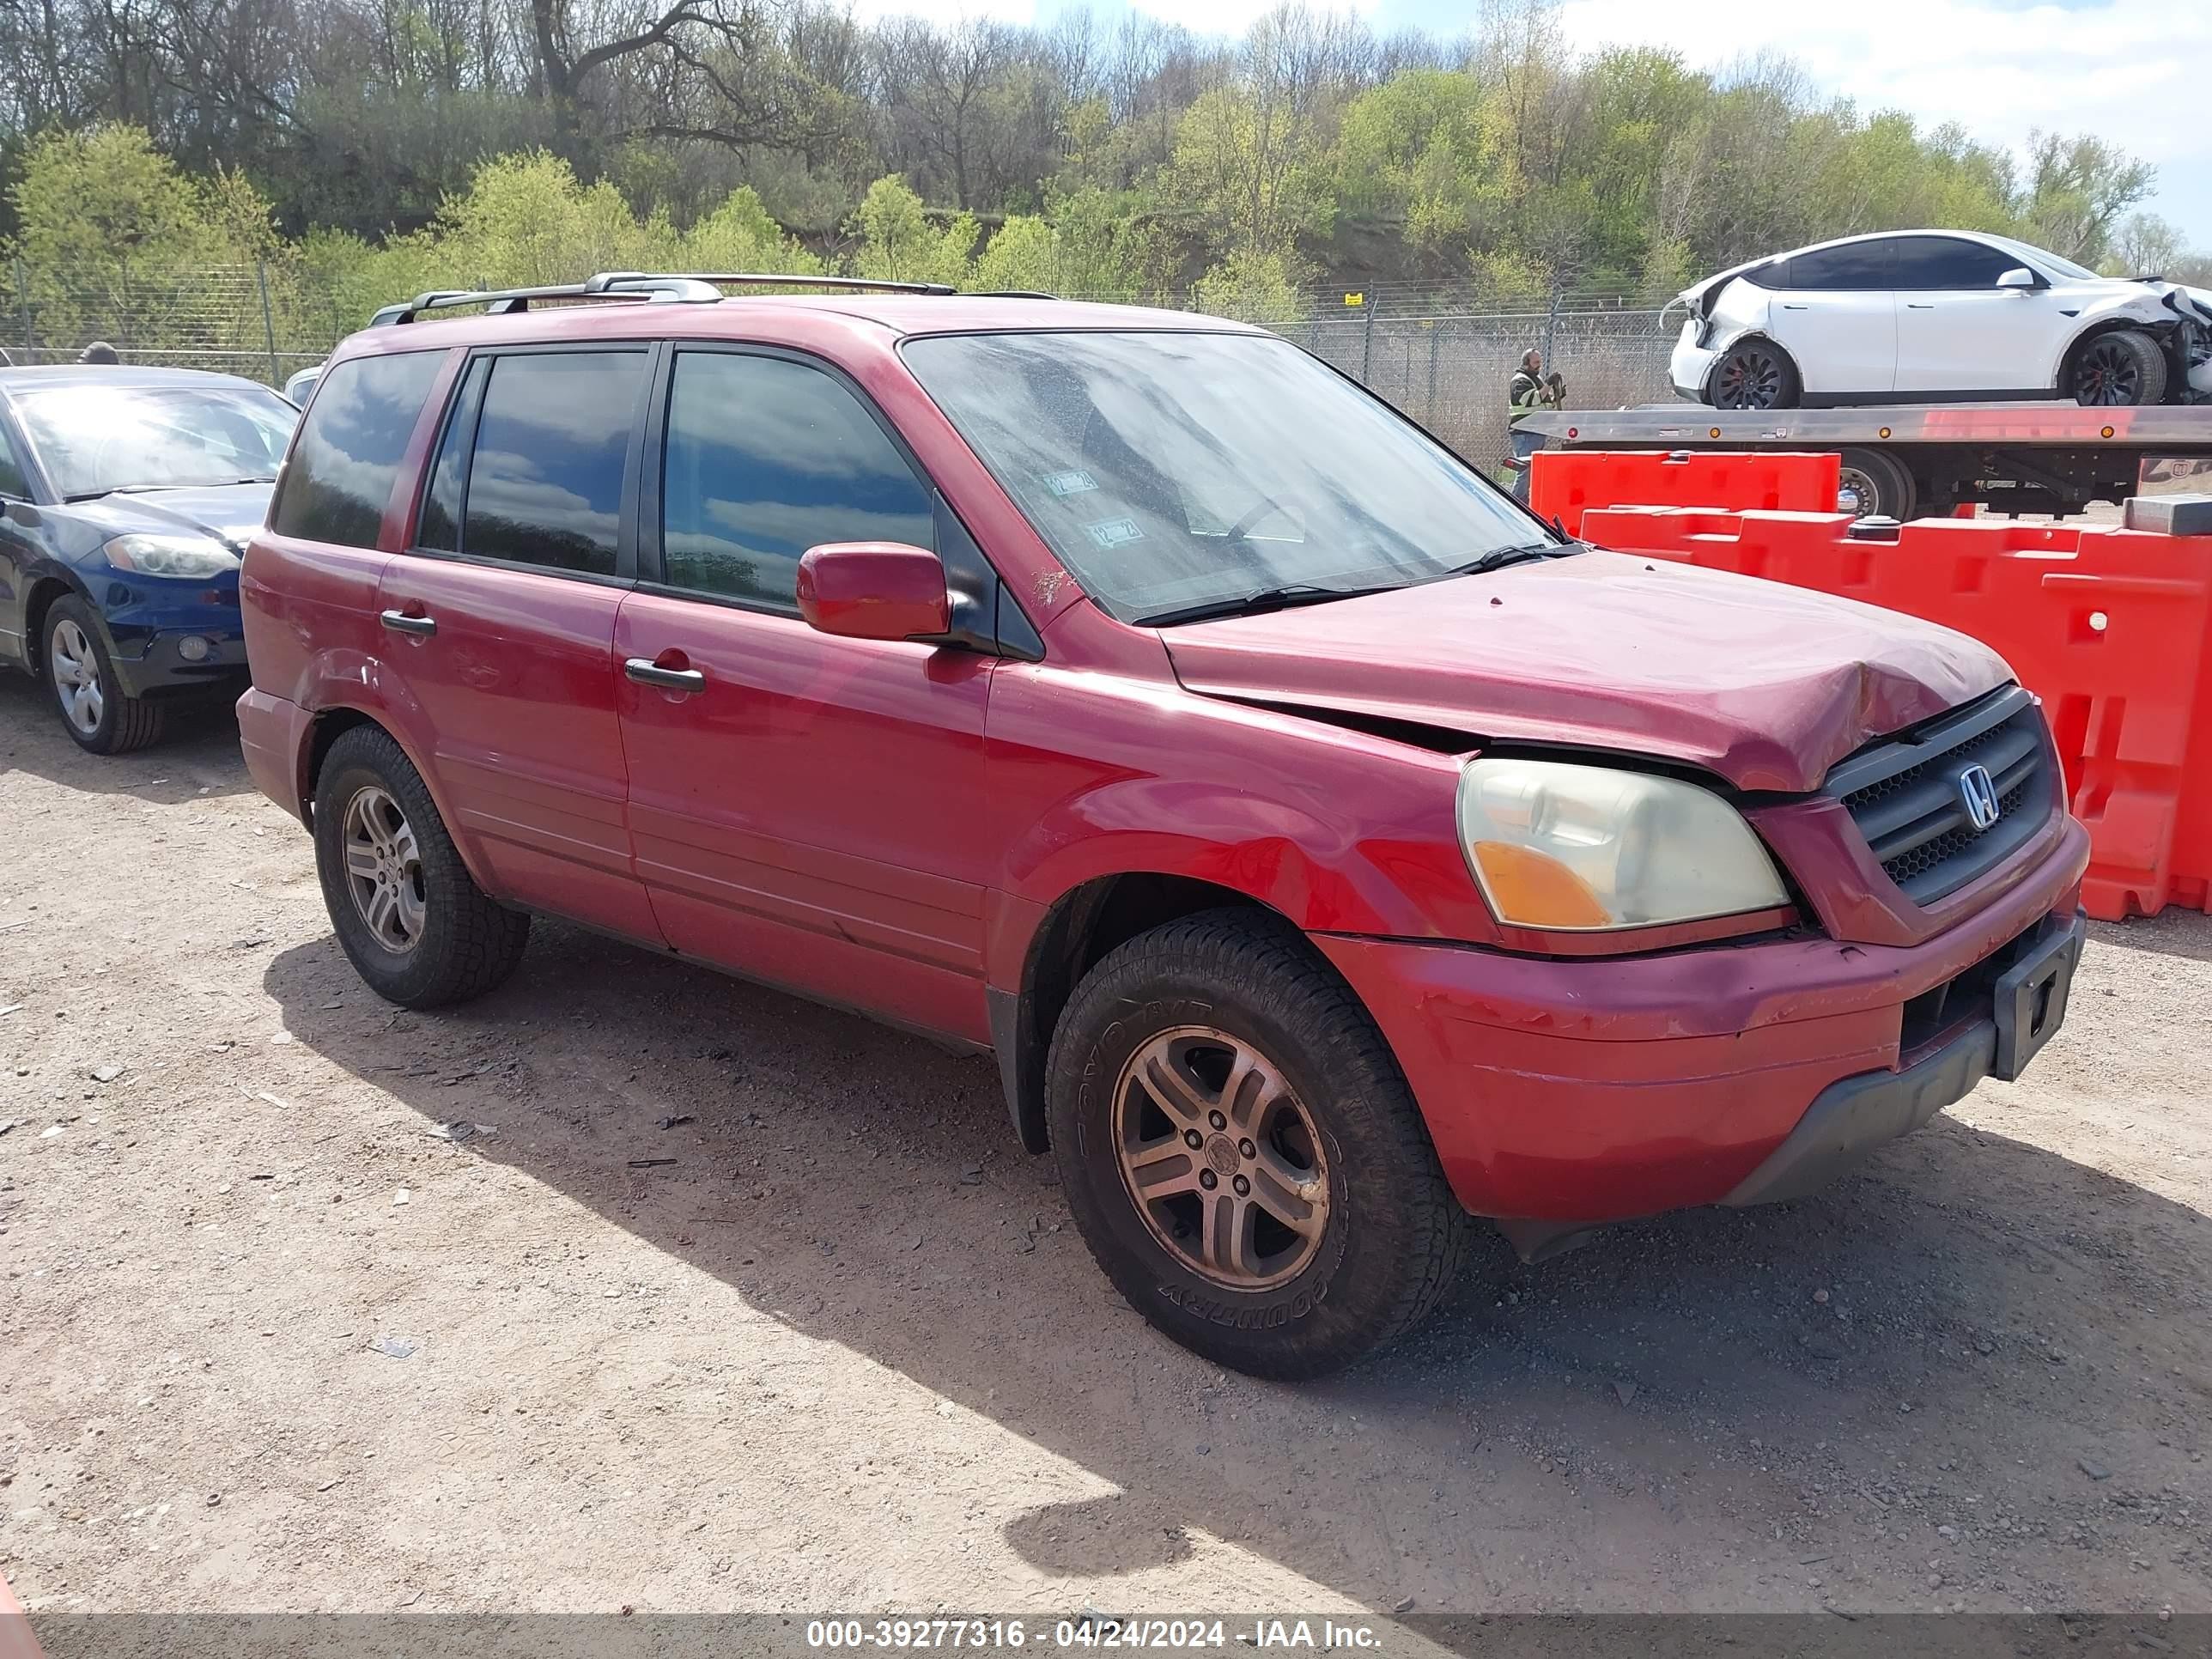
pixel 686 287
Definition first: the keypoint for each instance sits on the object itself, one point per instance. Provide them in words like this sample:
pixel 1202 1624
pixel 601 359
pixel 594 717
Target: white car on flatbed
pixel 1937 316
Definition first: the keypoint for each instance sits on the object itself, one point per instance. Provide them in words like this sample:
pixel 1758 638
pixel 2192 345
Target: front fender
pixel 2147 310
pixel 1337 831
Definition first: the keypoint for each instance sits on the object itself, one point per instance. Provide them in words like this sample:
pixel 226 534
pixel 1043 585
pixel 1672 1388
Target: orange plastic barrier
pixel 2112 627
pixel 1565 483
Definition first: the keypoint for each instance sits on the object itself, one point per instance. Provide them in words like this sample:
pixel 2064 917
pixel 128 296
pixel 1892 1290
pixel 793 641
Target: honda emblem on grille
pixel 1978 794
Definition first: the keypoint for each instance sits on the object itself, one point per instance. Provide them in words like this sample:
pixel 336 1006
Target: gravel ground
pixel 824 1340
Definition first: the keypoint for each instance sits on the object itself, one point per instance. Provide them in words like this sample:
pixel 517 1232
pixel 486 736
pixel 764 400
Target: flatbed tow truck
pixel 1912 460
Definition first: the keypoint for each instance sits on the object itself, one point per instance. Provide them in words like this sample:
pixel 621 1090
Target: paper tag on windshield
pixel 1112 532
pixel 1070 483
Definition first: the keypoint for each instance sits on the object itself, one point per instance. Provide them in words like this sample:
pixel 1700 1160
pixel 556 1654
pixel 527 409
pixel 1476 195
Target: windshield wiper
pixel 148 488
pixel 1263 598
pixel 1499 557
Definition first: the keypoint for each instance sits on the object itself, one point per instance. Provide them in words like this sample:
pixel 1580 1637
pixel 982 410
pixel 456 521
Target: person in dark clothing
pixel 98 352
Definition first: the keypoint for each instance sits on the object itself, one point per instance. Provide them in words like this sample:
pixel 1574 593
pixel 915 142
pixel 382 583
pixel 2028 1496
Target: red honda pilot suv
pixel 1328 852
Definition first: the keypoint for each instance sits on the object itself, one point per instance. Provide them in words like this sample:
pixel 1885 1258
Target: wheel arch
pixel 2113 322
pixel 1744 337
pixel 327 723
pixel 1075 931
pixel 49 583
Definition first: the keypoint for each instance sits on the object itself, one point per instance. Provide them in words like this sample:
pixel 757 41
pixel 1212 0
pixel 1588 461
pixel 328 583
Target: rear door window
pixel 766 458
pixel 1925 263
pixel 347 457
pixel 1855 265
pixel 546 471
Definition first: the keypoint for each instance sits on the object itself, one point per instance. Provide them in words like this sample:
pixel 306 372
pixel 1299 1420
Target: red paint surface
pixel 1767 688
pixel 889 825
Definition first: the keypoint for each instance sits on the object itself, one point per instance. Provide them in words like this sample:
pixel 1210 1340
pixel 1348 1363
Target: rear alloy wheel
pixel 1754 374
pixel 1241 1152
pixel 408 915
pixel 2124 368
pixel 1870 483
pixel 98 712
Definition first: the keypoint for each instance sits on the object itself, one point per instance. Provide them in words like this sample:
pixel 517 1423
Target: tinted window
pixel 1854 265
pixel 546 481
pixel 766 458
pixel 347 459
pixel 1926 262
pixel 12 481
pixel 440 525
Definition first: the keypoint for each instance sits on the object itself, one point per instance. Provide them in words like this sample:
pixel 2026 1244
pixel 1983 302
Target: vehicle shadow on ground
pixel 198 755
pixel 1767 1366
pixel 2171 932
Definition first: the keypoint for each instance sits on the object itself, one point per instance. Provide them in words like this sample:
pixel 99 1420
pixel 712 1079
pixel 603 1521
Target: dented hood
pixel 1767 686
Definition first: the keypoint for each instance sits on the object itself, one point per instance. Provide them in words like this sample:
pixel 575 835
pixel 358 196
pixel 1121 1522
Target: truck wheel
pixel 2125 366
pixel 1870 482
pixel 408 915
pixel 94 708
pixel 1754 374
pixel 1241 1152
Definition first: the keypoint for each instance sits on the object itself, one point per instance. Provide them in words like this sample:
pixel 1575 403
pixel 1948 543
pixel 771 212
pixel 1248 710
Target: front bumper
pixel 1580 1091
pixel 150 620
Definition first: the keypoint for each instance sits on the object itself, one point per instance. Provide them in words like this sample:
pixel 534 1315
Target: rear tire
pixel 408 915
pixel 2122 369
pixel 1296 1217
pixel 96 710
pixel 1754 374
pixel 1881 484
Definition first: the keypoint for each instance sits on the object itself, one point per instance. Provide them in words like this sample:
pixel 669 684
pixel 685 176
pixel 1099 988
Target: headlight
pixel 170 555
pixel 1580 848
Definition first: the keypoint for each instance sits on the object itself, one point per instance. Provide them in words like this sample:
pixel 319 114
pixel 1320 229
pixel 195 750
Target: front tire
pixel 1754 374
pixel 1242 1153
pixel 408 915
pixel 96 710
pixel 2124 368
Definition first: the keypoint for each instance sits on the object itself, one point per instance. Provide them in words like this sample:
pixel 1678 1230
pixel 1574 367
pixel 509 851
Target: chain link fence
pixel 1442 355
pixel 1450 372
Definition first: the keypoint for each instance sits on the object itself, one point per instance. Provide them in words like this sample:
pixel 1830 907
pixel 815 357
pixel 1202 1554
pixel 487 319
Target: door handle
pixel 1920 305
pixel 1787 306
pixel 646 671
pixel 400 623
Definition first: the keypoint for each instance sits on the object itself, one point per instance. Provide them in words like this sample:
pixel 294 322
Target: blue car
pixel 126 495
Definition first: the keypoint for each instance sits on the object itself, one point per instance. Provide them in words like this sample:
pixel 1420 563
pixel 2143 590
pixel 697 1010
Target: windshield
pixel 1172 471
pixel 95 437
pixel 2046 259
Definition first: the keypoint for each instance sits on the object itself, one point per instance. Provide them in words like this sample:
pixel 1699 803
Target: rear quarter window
pixel 351 443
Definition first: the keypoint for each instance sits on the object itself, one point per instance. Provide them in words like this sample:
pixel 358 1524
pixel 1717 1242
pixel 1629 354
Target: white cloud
pixel 2129 70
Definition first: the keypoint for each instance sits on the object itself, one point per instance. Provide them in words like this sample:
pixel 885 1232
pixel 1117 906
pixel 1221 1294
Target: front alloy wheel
pixel 1220 1158
pixel 96 710
pixel 1240 1150
pixel 75 670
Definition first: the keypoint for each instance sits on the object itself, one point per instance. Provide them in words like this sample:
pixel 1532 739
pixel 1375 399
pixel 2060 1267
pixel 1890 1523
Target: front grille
pixel 1906 797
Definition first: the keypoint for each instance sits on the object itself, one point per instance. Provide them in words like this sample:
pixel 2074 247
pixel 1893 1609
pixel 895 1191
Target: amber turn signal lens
pixel 1536 890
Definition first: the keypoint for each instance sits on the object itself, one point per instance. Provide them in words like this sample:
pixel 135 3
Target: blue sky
pixel 2135 72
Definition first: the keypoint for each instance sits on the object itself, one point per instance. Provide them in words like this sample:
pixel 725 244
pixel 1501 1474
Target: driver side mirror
pixel 873 591
pixel 2019 276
